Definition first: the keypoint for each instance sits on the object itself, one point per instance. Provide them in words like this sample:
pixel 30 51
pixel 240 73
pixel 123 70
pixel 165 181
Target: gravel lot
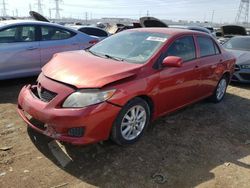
pixel 203 145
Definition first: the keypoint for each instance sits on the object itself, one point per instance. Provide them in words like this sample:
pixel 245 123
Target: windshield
pixel 238 43
pixel 131 46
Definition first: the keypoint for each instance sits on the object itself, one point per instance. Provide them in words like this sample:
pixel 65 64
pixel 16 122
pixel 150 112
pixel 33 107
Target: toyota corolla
pixel 117 87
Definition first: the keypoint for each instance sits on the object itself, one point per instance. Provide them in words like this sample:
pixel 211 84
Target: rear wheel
pixel 220 90
pixel 131 122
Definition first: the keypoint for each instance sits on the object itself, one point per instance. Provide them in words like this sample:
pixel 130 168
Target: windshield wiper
pixel 112 57
pixel 104 55
pixel 94 53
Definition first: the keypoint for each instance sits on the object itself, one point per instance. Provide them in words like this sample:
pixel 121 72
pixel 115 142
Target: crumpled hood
pixel 242 57
pixel 84 70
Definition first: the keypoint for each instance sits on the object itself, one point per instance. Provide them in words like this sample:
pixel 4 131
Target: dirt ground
pixel 203 145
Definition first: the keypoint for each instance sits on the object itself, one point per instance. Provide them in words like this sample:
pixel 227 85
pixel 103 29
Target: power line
pixel 39 6
pixel 57 9
pixel 243 12
pixel 4 9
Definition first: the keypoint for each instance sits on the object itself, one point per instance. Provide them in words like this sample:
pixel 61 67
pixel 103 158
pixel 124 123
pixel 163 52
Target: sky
pixel 219 11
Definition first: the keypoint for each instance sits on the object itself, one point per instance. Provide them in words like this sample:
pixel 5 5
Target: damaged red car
pixel 118 86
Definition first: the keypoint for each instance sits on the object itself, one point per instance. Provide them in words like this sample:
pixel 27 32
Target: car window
pixel 217 50
pixel 206 45
pixel 94 32
pixel 183 47
pixel 18 34
pixel 54 33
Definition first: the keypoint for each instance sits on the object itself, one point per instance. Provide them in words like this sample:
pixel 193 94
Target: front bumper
pixel 96 120
pixel 242 75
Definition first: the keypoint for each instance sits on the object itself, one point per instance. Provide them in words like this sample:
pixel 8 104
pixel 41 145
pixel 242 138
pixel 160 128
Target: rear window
pixel 94 32
pixel 54 33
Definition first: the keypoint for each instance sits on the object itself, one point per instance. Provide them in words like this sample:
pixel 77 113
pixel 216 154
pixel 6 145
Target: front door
pixel 178 85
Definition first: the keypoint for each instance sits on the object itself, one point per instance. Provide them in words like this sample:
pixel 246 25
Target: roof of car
pixel 17 22
pixel 168 31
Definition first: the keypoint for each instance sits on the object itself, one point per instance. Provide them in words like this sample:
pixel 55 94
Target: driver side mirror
pixel 172 61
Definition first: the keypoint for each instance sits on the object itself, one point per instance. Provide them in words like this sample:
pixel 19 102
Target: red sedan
pixel 117 87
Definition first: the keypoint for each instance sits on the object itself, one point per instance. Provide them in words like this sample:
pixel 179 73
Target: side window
pixel 94 32
pixel 206 46
pixel 183 47
pixel 54 33
pixel 18 34
pixel 28 33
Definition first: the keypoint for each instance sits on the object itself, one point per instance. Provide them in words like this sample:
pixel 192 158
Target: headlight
pixel 83 98
pixel 245 66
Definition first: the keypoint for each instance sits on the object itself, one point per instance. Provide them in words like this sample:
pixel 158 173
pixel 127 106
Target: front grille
pixel 43 94
pixel 245 76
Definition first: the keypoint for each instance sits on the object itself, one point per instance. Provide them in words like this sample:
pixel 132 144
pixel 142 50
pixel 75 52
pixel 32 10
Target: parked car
pixel 119 85
pixel 194 28
pixel 228 31
pixel 25 46
pixel 240 47
pixel 92 31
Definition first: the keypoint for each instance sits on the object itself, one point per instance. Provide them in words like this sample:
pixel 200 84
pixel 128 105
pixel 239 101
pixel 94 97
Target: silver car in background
pixel 25 46
pixel 240 47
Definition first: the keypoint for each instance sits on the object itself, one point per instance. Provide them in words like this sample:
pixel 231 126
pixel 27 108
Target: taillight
pixel 93 41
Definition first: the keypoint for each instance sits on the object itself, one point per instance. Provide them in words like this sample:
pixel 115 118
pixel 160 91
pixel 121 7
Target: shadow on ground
pixel 182 147
pixel 9 89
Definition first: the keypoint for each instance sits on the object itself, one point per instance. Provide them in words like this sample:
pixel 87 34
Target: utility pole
pixel 147 13
pixel 49 13
pixel 30 7
pixel 4 9
pixel 57 8
pixel 16 13
pixel 39 6
pixel 243 12
pixel 212 19
pixel 86 17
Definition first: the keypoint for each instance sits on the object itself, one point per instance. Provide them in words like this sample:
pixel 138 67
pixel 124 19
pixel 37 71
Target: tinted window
pixel 206 46
pixel 183 47
pixel 54 33
pixel 18 34
pixel 94 32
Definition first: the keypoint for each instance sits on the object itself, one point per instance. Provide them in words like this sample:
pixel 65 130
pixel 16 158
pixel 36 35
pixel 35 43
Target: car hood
pixel 84 70
pixel 152 22
pixel 242 57
pixel 232 30
pixel 38 17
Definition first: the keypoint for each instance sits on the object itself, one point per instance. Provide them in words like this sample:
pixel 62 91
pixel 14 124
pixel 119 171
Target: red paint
pixel 169 88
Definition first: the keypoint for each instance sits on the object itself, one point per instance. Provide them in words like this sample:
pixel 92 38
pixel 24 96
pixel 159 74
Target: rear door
pixel 19 51
pixel 209 59
pixel 55 39
pixel 178 85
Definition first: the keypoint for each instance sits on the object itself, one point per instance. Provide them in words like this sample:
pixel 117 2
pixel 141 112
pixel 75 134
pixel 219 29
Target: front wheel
pixel 220 90
pixel 131 122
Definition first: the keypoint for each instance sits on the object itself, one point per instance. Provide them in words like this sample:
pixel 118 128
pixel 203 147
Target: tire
pixel 220 90
pixel 128 128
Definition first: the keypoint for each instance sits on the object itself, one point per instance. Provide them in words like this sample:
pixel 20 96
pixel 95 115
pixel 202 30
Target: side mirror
pixel 172 61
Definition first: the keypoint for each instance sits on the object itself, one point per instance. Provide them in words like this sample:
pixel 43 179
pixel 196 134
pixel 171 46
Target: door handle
pixel 32 48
